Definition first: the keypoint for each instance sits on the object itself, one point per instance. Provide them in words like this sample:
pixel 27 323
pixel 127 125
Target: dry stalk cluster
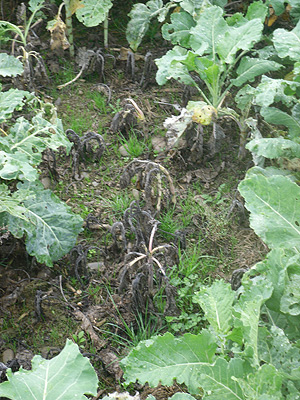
pixel 91 145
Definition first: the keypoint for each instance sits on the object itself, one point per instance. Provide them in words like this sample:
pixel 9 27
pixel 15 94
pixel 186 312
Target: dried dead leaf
pixel 57 29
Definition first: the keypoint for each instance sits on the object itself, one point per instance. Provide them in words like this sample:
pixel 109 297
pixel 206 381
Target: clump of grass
pixel 134 145
pixel 98 100
pixel 117 204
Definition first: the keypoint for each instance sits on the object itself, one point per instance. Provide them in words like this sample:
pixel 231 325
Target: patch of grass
pixel 117 204
pixel 65 74
pixel 78 121
pixel 97 100
pixel 134 145
pixel 143 328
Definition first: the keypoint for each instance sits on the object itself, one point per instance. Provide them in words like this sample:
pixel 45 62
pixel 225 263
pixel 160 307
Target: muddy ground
pixel 100 288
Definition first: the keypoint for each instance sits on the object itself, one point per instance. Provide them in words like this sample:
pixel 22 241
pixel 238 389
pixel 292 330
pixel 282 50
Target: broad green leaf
pixel 94 12
pixel 277 117
pixel 10 203
pixel 295 14
pixel 140 18
pixel 196 7
pixel 275 269
pixel 239 38
pixel 278 6
pixel 290 301
pixel 287 43
pixel 255 292
pixel 244 97
pixel 36 5
pixel 169 66
pixel 250 68
pixel 257 10
pixel 181 396
pixel 209 31
pixel 264 383
pixel 178 31
pixel 11 100
pixel 271 171
pixel 275 216
pixel 216 302
pixel 274 148
pixel 219 380
pixel 16 166
pixel 281 353
pixel 274 90
pixel 22 148
pixel 10 65
pixel 164 358
pixel 65 377
pixel 50 227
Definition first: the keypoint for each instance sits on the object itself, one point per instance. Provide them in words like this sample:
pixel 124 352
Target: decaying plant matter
pixel 90 145
pixel 150 177
pixel 145 266
pixel 89 61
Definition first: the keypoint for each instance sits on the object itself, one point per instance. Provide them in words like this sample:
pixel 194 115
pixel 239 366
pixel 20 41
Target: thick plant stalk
pixel 105 29
pixel 69 27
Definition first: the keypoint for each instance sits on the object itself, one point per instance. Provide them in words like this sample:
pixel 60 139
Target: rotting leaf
pixel 57 29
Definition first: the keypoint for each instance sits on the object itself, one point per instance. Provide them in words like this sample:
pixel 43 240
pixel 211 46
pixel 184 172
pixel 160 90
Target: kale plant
pixel 213 55
pixel 66 376
pixel 49 226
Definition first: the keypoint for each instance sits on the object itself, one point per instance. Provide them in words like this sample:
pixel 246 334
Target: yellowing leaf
pixel 202 113
pixel 75 5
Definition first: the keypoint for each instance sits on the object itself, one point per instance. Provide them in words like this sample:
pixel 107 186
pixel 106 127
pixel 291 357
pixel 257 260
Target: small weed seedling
pixel 79 339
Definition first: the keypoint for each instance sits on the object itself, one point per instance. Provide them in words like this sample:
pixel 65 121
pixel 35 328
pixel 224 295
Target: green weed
pixel 98 100
pixel 134 145
pixel 144 327
pixel 117 204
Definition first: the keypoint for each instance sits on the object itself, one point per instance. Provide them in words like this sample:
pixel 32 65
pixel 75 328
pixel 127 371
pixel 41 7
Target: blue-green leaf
pixel 250 68
pixel 220 380
pixel 238 38
pixel 287 43
pixel 274 148
pixel 10 65
pixel 94 12
pixel 178 31
pixel 216 301
pixel 165 358
pixel 49 226
pixel 65 377
pixel 275 216
pixel 209 31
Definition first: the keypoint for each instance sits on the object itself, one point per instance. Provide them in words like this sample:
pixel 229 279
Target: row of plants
pixel 27 209
pixel 249 347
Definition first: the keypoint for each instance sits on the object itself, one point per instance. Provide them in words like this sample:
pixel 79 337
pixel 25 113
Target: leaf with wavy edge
pixel 274 148
pixel 216 301
pixel 274 203
pixel 217 379
pixel 250 68
pixel 10 65
pixel 65 377
pixel 287 43
pixel 50 227
pixel 94 12
pixel 164 358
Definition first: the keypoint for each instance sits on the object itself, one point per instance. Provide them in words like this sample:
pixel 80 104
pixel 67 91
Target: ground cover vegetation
pixel 149 219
